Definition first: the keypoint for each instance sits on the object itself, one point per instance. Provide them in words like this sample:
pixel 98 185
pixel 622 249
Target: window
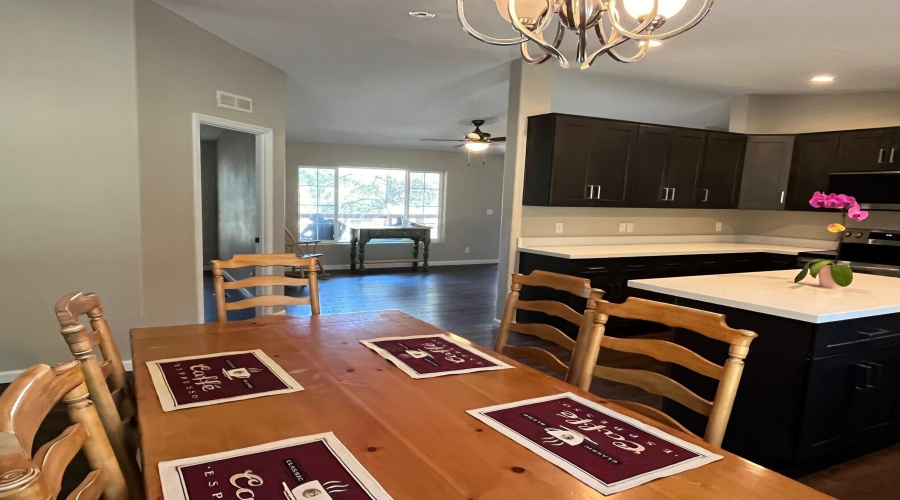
pixel 332 200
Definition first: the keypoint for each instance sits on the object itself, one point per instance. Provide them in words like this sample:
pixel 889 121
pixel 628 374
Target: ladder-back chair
pixel 711 325
pixel 38 476
pixel 265 260
pixel 106 379
pixel 588 322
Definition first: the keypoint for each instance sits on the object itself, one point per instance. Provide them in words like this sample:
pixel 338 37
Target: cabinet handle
pixel 591 195
pixel 867 377
pixel 782 198
pixel 598 192
pixel 705 195
pixel 893 153
pixel 881 332
pixel 881 155
pixel 665 194
pixel 673 195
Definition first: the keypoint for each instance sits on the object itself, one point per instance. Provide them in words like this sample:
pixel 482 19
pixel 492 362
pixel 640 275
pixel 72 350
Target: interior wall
pixel 180 68
pixel 237 197
pixel 798 114
pixel 69 154
pixel 209 166
pixel 470 190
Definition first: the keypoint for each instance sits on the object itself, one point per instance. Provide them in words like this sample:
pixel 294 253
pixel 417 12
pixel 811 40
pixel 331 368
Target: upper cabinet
pixel 665 167
pixel 574 161
pixel 868 150
pixel 767 166
pixel 815 158
pixel 719 183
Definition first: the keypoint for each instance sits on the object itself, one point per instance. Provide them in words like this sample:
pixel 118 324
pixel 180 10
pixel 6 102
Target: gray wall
pixel 209 165
pixel 179 69
pixel 470 192
pixel 69 213
pixel 237 196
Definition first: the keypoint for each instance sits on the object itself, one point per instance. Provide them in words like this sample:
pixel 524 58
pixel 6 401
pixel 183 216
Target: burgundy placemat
pixel 427 356
pixel 211 379
pixel 606 450
pixel 317 466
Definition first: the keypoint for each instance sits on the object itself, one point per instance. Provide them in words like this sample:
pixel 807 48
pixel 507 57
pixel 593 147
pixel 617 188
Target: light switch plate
pixel 631 227
pixel 490 211
pixel 718 227
pixel 559 227
pixel 623 227
pixel 467 249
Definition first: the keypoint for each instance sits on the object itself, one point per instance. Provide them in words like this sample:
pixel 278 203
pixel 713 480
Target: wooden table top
pixel 413 436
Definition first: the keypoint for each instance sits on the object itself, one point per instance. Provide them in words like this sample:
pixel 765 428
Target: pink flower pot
pixel 825 279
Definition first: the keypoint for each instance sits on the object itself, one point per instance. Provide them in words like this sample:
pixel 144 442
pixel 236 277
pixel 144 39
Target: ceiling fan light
pixel 640 8
pixel 477 146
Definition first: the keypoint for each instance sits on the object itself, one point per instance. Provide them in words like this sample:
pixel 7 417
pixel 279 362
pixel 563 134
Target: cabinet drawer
pixel 593 268
pixel 861 333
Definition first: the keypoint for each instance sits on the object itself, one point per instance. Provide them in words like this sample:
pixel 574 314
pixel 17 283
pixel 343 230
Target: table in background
pixel 362 235
pixel 413 436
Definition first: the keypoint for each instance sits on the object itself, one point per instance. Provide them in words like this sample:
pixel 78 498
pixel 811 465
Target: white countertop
pixel 775 293
pixel 653 250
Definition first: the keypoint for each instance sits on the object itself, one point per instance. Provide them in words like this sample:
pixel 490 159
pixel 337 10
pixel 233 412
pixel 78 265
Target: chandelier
pixel 532 18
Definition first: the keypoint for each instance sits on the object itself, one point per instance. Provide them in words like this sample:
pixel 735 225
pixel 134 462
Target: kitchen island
pixel 822 380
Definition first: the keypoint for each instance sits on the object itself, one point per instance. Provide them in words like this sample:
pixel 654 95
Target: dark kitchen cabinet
pixel 867 150
pixel 666 164
pixel 815 158
pixel 767 167
pixel 719 182
pixel 577 162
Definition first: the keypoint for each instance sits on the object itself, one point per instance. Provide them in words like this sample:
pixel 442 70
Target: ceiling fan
pixel 475 141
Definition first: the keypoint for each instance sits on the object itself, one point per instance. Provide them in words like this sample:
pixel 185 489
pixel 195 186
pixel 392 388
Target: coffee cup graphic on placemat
pixel 315 489
pixel 240 373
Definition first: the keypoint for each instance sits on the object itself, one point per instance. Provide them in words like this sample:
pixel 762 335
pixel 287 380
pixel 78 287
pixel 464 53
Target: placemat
pixel 606 450
pixel 317 466
pixel 211 379
pixel 428 356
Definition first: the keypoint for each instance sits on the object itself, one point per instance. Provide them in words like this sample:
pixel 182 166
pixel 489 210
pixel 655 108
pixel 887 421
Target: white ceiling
pixel 364 72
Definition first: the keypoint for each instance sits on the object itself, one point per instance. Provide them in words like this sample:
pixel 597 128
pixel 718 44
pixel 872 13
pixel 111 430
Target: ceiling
pixel 364 72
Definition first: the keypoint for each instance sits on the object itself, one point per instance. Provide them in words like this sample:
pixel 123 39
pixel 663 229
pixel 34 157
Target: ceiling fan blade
pixel 445 140
pixel 498 139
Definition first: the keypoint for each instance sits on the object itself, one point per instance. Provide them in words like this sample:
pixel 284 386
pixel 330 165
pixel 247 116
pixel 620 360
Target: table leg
pixel 362 257
pixel 415 253
pixel 425 244
pixel 353 255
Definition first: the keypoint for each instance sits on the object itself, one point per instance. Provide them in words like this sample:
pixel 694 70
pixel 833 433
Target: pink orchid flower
pixel 856 214
pixel 842 201
pixel 818 200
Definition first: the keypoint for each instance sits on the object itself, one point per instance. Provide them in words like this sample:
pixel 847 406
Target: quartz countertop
pixel 776 294
pixel 660 249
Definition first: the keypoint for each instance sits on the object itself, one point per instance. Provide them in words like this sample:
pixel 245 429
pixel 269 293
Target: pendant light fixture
pixel 532 19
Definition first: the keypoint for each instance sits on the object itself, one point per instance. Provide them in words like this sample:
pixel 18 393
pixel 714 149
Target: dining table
pixel 413 436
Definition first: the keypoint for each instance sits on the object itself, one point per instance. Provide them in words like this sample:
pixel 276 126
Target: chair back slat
pixel 265 260
pixel 705 323
pixel 551 308
pixel 23 407
pixel 580 363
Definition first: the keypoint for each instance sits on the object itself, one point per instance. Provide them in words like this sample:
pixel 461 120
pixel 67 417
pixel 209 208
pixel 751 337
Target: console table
pixel 362 235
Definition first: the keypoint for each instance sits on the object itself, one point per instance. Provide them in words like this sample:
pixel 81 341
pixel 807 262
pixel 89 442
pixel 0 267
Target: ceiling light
pixel 477 146
pixel 421 14
pixel 533 20
pixel 653 43
pixel 822 79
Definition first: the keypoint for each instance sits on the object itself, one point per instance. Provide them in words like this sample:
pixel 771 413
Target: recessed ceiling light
pixel 421 14
pixel 822 79
pixel 653 43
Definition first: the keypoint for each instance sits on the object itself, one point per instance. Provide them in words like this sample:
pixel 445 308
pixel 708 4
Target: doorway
pixel 232 202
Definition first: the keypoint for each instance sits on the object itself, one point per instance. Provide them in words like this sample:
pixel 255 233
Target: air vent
pixel 233 101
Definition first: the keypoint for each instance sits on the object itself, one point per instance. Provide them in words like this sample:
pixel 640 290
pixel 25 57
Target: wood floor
pixel 461 299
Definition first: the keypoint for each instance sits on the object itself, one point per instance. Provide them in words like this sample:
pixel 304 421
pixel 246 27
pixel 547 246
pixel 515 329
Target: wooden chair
pixel 291 245
pixel 264 260
pixel 588 323
pixel 23 407
pixel 106 380
pixel 708 324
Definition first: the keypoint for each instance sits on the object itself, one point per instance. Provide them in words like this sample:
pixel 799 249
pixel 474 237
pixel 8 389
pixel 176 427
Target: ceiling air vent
pixel 233 101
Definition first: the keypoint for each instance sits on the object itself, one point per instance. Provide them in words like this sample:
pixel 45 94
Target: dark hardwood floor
pixel 461 299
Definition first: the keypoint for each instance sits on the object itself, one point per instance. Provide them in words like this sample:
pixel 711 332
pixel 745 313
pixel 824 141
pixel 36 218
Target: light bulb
pixel 667 8
pixel 526 9
pixel 477 146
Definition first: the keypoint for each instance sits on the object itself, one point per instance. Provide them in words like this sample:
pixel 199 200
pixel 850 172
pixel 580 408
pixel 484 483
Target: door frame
pixel 265 174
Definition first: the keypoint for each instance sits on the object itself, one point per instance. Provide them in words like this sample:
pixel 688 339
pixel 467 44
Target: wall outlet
pixel 623 227
pixel 559 228
pixel 718 227
pixel 490 211
pixel 630 227
pixel 467 249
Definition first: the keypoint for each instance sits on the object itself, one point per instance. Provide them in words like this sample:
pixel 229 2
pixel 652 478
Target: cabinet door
pixel 683 165
pixel 720 175
pixel 815 158
pixel 613 143
pixel 767 166
pixel 649 166
pixel 571 157
pixel 880 409
pixel 865 150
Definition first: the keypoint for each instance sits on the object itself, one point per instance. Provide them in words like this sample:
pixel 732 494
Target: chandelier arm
pixel 614 21
pixel 543 23
pixel 535 37
pixel 460 12
pixel 614 41
pixel 635 58
pixel 557 40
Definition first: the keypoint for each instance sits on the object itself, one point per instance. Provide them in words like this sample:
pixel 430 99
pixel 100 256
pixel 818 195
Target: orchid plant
pixel 841 274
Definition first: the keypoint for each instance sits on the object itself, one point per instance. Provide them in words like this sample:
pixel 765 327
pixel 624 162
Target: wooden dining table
pixel 413 436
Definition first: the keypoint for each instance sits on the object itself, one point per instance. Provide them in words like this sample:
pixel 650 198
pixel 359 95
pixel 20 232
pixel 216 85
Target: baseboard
pixel 8 376
pixel 497 322
pixel 340 267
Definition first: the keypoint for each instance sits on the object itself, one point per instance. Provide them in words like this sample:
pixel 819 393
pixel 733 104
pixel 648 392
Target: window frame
pixel 442 193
